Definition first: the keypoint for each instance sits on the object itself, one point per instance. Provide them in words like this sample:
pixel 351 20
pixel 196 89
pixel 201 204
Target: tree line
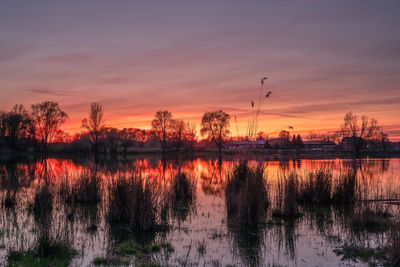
pixel 40 127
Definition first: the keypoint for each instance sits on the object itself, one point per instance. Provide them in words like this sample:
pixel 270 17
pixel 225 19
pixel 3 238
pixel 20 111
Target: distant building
pixel 394 146
pixel 245 144
pixel 279 143
pixel 322 145
pixel 348 143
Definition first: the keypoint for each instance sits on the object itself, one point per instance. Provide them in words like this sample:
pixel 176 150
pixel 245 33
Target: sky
pixel 322 59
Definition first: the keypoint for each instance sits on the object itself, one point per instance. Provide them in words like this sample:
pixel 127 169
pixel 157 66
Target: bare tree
pixel 162 123
pixel 215 125
pixel 179 128
pixel 359 131
pixel 95 123
pixel 191 134
pixel 47 117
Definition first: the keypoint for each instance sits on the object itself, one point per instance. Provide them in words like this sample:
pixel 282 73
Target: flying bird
pixel 268 94
pixel 252 103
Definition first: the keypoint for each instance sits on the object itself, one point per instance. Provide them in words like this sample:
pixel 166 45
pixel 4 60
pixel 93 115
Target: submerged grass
pixel 370 220
pixel 286 205
pixel 43 204
pixel 247 197
pixel 46 252
pixel 86 189
pixel 132 201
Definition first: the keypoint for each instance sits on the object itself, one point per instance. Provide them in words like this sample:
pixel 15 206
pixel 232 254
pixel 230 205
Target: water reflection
pixel 69 200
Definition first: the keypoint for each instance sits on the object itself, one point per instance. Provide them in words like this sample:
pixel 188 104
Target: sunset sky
pixel 321 58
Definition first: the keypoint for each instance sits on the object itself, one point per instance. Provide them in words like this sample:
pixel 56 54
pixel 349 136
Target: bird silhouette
pixel 268 94
pixel 252 103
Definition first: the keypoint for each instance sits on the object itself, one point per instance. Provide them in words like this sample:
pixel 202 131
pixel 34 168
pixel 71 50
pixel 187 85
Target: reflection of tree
pixel 213 178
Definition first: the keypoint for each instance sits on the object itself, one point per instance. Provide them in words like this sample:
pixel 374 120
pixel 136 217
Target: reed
pixel 247 198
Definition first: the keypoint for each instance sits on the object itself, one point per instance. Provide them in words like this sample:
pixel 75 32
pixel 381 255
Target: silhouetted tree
pixel 15 125
pixel 215 125
pixel 19 123
pixel 179 128
pixel 284 135
pixel 191 134
pixel 162 123
pixel 47 117
pixel 94 124
pixel 359 131
pixel 298 141
pixel 2 124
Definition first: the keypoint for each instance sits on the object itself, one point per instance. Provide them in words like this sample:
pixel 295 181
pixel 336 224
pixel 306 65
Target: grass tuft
pixel 246 193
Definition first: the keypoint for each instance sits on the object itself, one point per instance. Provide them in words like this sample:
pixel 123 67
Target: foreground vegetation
pixel 136 214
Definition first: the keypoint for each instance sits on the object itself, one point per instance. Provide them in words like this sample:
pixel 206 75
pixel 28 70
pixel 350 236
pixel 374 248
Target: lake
pixel 200 233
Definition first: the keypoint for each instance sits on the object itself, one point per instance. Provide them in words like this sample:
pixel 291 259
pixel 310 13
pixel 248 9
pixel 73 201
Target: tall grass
pixel 86 189
pixel 132 201
pixel 286 205
pixel 246 193
pixel 43 204
pixel 345 190
pixel 323 188
pixel 316 188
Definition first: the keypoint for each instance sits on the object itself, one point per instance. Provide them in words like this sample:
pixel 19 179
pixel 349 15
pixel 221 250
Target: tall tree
pixel 18 123
pixel 95 123
pixel 191 134
pixel 179 128
pixel 215 125
pixel 162 124
pixel 47 117
pixel 359 131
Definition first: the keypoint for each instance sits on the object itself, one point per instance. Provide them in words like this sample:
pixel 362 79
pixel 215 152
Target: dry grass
pixel 247 197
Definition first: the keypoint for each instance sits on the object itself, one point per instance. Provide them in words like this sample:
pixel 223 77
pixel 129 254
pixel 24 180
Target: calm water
pixel 201 236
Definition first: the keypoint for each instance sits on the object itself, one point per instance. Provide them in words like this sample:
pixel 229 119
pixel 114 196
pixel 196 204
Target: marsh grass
pixel 43 203
pixel 47 251
pixel 86 189
pixel 345 189
pixel 286 196
pixel 134 202
pixel 369 219
pixel 316 187
pixel 321 187
pixel 247 198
